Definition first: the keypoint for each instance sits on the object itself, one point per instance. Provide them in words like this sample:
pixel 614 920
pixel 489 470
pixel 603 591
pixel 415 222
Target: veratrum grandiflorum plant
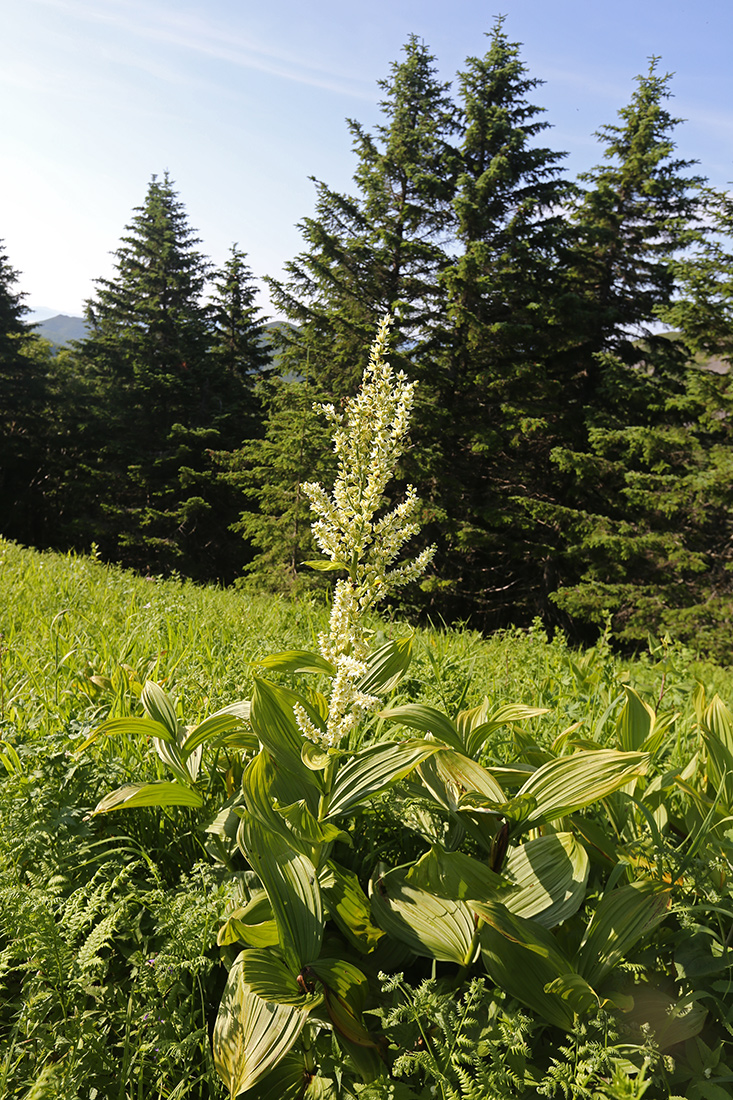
pixel 368 438
pixel 505 858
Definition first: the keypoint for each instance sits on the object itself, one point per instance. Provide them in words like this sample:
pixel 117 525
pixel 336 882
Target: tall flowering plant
pixel 292 1010
pixel 358 535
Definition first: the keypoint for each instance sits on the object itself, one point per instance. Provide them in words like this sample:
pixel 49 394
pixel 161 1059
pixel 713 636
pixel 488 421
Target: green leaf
pixel 569 783
pixel 252 925
pixel 428 719
pixel 266 787
pixel 323 565
pixel 297 660
pixel 524 960
pixel 448 775
pixel 285 1081
pixel 149 794
pixel 159 706
pixel 718 720
pixel 266 974
pixel 236 930
pixel 373 770
pixel 502 716
pixel 622 917
pixel 274 723
pixel 216 725
pixel 314 757
pixel 456 876
pixel 550 873
pixel 575 990
pixel 386 667
pixel 342 978
pixel 127 727
pixel 349 906
pixel 635 722
pixel 292 887
pixel 251 1036
pixel 184 770
pixel 436 927
pixel 304 826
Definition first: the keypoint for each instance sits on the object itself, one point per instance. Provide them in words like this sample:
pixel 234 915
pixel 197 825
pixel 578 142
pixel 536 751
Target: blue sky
pixel 241 101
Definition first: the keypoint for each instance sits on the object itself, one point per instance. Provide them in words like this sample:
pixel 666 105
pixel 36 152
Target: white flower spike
pixel 368 439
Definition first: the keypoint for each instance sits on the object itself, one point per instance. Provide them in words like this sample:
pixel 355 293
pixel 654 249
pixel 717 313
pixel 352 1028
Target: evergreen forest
pixel 569 339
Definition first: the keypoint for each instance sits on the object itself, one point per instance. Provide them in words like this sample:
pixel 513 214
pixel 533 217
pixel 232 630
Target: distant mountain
pixel 61 329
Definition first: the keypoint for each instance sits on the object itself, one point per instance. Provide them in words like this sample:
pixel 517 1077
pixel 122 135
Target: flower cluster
pixel 368 438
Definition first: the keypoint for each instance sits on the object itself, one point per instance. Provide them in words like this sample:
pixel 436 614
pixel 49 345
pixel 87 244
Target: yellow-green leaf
pixel 159 706
pixel 620 920
pixel 569 783
pixel 149 794
pixel 436 927
pixel 251 1035
pixel 292 887
pixel 550 873
pixel 374 769
pixel 524 959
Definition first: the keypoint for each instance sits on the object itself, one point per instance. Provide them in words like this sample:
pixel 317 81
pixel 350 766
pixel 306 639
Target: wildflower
pixel 368 438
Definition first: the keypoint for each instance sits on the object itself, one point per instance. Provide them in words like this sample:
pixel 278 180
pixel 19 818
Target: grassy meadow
pixel 110 973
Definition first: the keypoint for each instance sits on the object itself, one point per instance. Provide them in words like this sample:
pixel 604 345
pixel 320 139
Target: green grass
pixel 109 972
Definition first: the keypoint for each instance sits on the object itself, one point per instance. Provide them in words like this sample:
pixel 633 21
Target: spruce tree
pixel 166 396
pixel 488 406
pixel 24 365
pixel 379 250
pixel 639 428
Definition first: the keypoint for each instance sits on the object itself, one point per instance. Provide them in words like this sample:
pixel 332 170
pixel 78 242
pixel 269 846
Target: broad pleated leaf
pixel 672 1020
pixel 436 927
pixel 274 723
pixel 292 887
pixel 285 1081
pixel 314 757
pixel 449 775
pixel 130 727
pixel 635 722
pixel 251 1035
pixel 573 989
pixel 267 975
pixel 215 726
pixel 456 876
pixel 719 721
pixel 349 906
pixel 386 667
pixel 149 794
pixel 342 978
pixel 428 719
pixel 550 873
pixel 373 770
pixel 171 755
pixel 297 660
pixel 621 919
pixel 159 706
pixel 524 960
pixel 236 930
pixel 266 786
pixel 495 719
pixel 570 783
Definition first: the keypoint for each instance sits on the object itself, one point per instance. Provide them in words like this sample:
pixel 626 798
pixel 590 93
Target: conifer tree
pixel 165 395
pixel 488 399
pixel 24 363
pixel 642 424
pixel 379 250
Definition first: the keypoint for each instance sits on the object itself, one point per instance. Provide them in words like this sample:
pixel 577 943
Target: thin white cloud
pixel 207 38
